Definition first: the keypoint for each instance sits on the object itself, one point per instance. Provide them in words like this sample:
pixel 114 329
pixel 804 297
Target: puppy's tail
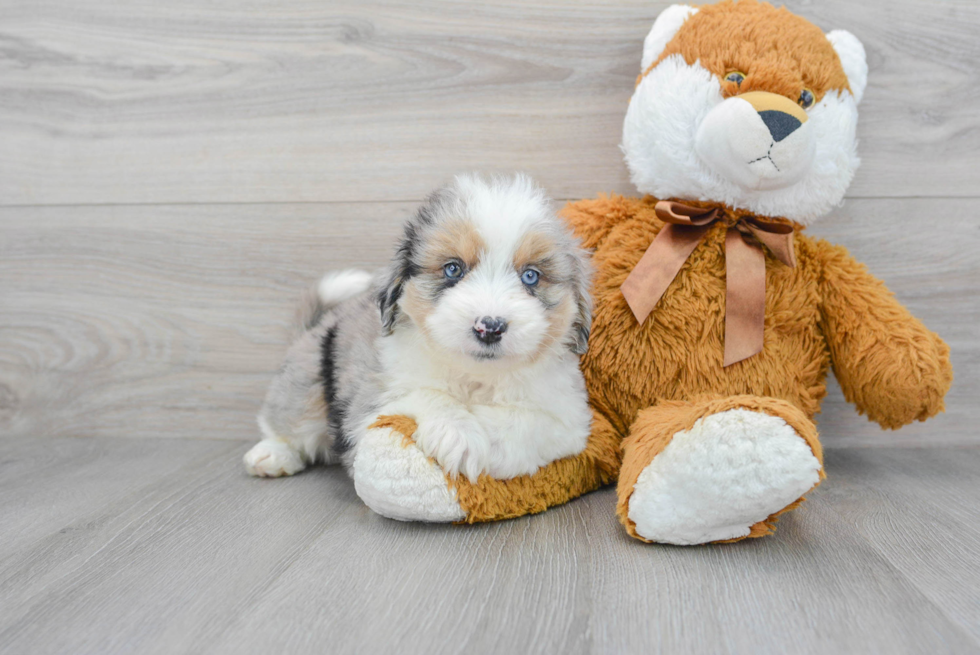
pixel 332 289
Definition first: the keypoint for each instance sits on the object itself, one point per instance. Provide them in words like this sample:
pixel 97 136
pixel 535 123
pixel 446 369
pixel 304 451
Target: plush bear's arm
pixel 554 484
pixel 889 365
pixel 592 219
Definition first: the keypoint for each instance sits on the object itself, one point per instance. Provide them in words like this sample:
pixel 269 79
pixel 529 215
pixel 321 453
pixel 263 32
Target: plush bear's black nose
pixel 780 124
pixel 489 330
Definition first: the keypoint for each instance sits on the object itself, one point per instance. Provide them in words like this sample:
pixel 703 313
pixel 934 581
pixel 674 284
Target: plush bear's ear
pixel 664 29
pixel 852 57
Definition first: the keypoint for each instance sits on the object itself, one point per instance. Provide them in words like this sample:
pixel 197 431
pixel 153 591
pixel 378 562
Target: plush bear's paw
pixel 395 479
pixel 715 481
pixel 273 458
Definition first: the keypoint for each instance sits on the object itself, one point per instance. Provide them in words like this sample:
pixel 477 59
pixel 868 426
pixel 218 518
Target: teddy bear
pixel 716 317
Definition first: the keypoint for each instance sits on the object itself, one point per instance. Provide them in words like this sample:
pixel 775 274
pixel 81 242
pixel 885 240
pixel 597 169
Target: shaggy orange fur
pixel 650 379
pixel 718 36
pixel 827 307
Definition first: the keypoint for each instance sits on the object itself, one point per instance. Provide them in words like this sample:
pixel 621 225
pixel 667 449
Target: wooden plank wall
pixel 172 174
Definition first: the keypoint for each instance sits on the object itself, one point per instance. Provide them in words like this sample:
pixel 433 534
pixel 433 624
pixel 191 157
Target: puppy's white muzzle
pixel 757 140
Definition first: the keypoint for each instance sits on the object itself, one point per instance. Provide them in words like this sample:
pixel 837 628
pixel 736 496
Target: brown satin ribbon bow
pixel 745 268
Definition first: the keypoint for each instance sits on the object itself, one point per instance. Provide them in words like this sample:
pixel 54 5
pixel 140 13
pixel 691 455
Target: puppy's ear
pixel 582 287
pixel 388 300
pixel 399 272
pixel 402 267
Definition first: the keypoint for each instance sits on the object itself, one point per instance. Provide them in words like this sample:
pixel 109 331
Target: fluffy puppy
pixel 474 331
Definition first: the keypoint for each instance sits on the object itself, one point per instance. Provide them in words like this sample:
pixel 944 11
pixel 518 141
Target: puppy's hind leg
pixel 279 454
pixel 293 419
pixel 274 456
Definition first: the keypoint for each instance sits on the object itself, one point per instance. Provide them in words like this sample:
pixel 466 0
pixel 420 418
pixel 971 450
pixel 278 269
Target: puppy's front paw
pixel 459 445
pixel 272 458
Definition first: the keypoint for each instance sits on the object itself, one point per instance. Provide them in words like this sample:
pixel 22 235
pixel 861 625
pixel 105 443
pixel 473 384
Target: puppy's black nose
pixel 489 330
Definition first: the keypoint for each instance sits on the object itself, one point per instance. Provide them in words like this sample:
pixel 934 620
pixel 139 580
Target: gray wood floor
pixel 172 174
pixel 165 546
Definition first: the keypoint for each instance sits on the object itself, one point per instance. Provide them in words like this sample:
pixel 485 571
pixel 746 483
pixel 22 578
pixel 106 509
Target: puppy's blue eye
pixel 453 271
pixel 530 277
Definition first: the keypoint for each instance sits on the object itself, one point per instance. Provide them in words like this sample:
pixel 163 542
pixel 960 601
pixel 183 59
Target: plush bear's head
pixel 747 105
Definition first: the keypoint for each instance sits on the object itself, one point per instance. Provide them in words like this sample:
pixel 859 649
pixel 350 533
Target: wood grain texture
pixel 928 536
pixel 161 321
pixel 170 320
pixel 182 101
pixel 200 558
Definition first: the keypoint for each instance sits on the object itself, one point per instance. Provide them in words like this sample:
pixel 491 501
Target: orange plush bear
pixel 716 319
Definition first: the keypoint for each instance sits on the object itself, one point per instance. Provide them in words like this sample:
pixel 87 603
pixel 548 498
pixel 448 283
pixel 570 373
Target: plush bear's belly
pixel 677 353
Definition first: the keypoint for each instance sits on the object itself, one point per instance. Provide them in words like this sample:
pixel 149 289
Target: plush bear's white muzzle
pixel 757 140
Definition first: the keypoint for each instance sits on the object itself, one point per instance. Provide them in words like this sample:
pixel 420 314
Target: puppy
pixel 474 331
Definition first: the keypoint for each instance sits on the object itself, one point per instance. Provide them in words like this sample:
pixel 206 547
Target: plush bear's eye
pixel 806 98
pixel 735 77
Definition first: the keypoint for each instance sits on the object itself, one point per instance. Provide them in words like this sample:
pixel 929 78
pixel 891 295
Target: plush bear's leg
pixel 715 469
pixel 487 499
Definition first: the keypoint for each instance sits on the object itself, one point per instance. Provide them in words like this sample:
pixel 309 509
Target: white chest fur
pixel 475 418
